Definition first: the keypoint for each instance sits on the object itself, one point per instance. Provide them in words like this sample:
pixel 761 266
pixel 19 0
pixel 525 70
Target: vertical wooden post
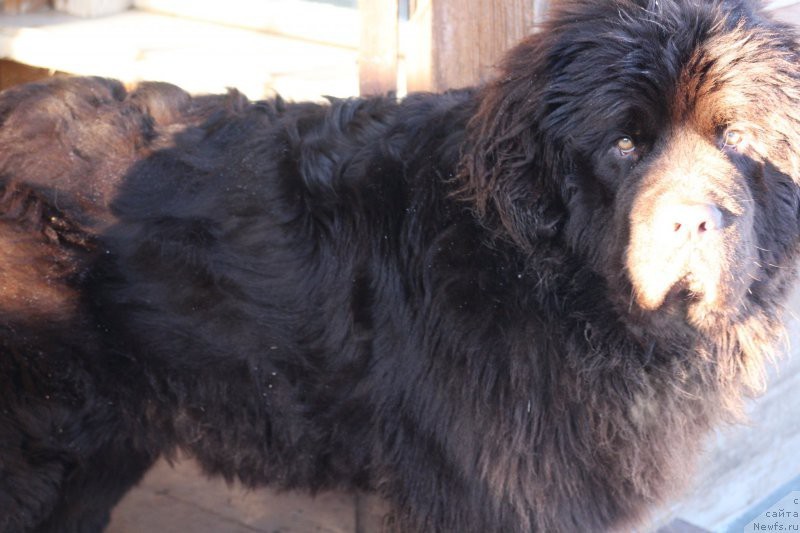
pixel 540 10
pixel 377 58
pixel 455 43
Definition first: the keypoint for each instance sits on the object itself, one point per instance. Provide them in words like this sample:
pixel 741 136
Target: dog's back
pixel 206 274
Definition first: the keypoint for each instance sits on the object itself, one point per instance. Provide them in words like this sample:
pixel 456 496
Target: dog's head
pixel 660 139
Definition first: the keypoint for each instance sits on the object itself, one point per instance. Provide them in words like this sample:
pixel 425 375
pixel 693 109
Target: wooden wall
pixel 379 52
pixel 455 43
pixel 449 43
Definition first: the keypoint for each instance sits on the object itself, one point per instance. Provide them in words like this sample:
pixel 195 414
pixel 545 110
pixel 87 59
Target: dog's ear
pixel 507 168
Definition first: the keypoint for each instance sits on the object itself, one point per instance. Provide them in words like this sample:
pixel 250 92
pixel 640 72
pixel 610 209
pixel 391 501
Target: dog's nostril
pixel 695 219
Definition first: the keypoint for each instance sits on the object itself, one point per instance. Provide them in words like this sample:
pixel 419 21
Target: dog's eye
pixel 626 145
pixel 732 138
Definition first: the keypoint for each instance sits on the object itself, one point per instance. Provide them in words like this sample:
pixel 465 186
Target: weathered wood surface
pixel 378 54
pixel 455 43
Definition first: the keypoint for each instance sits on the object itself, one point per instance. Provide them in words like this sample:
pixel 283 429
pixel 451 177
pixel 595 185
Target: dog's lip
pixel 684 291
pixel 653 285
pixel 650 300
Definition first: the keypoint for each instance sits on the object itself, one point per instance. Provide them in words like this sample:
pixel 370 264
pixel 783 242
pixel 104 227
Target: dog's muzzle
pixel 689 252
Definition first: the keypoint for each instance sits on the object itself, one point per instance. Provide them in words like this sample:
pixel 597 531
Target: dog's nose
pixel 693 220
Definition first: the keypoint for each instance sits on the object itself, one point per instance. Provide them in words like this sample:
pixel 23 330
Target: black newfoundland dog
pixel 513 308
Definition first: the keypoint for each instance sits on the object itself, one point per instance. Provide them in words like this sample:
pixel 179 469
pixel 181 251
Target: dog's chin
pixel 704 299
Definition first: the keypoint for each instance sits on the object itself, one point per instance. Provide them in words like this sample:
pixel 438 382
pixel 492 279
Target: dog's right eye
pixel 626 145
pixel 732 139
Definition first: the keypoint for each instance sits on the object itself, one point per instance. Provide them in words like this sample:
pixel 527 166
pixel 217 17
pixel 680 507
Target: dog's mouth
pixel 660 280
pixel 699 288
pixel 653 294
pixel 685 291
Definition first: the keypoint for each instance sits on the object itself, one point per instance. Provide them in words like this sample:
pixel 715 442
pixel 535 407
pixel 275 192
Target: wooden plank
pixel 377 58
pixel 419 46
pixel 455 43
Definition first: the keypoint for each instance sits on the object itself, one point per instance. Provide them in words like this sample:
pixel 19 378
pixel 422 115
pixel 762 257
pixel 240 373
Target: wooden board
pixel 455 43
pixel 377 58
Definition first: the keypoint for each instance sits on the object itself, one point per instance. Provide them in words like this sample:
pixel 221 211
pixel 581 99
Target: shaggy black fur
pixel 515 308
